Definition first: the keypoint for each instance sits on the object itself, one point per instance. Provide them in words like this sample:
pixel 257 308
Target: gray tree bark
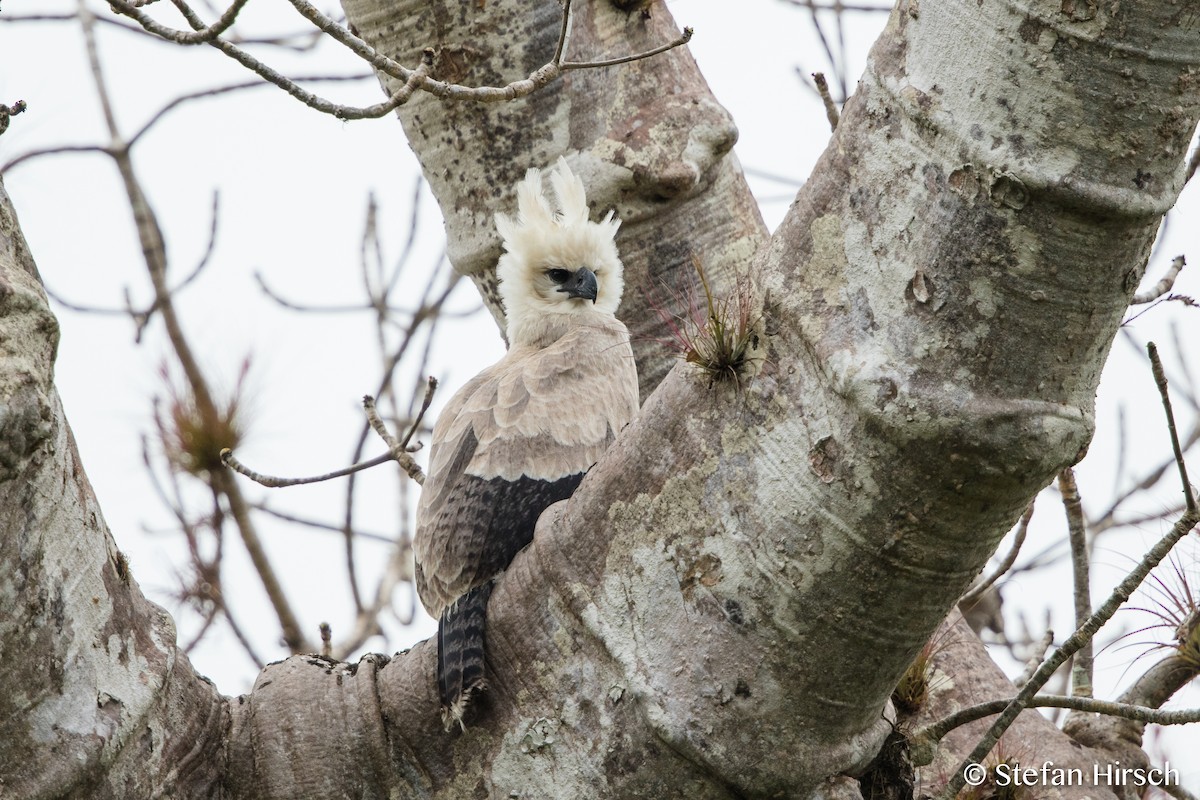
pixel 725 605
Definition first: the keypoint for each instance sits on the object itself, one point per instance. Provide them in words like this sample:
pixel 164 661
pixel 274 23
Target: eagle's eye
pixel 558 275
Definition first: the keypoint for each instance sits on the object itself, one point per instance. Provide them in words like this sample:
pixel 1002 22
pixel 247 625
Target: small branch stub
pixel 6 112
pixel 831 109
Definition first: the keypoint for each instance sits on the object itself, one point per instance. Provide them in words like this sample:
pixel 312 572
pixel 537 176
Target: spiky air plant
pixel 912 691
pixel 193 436
pixel 1174 603
pixel 720 336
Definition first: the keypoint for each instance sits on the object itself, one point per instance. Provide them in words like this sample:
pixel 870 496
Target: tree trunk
pixel 724 606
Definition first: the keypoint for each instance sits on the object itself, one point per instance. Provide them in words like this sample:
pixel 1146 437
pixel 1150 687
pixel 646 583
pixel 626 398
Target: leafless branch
pixel 838 68
pixel 1164 284
pixel 295 306
pixel 924 740
pixel 142 316
pixel 1035 660
pixel 1175 790
pixel 564 29
pixel 612 62
pixel 322 526
pixel 755 172
pixel 155 255
pixel 397 448
pixel 53 151
pixel 1085 632
pixel 115 23
pixel 1160 379
pixel 838 7
pixel 272 482
pixel 411 79
pixel 976 591
pixel 1081 669
pixel 831 109
pixel 201 35
pixel 1071 646
pixel 1182 299
pixel 217 91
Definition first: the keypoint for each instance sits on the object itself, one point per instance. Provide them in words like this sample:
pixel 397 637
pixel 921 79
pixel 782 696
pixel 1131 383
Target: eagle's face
pixel 557 266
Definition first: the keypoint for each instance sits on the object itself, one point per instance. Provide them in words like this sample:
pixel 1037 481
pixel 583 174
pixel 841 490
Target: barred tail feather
pixel 460 653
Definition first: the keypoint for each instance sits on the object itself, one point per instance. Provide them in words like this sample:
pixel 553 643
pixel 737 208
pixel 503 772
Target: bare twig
pixel 755 172
pixel 1182 299
pixel 426 310
pixel 142 316
pixel 397 448
pixel 208 570
pixel 295 306
pixel 1107 519
pixel 838 6
pixel 1081 670
pixel 1160 379
pixel 612 62
pixel 431 385
pixel 412 79
pixel 831 109
pixel 1175 790
pixel 1164 284
pixel 1122 449
pixel 29 155
pixel 976 591
pixel 839 71
pixel 1039 652
pixel 1140 520
pixel 201 35
pixel 271 482
pixel 217 91
pixel 1183 365
pixel 560 49
pixel 317 524
pixel 116 23
pixel 925 740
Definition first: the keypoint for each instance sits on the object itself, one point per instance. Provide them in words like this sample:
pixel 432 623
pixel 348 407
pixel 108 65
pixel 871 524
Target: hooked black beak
pixel 582 283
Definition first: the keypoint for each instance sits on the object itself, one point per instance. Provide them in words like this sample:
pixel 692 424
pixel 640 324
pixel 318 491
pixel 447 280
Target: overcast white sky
pixel 293 190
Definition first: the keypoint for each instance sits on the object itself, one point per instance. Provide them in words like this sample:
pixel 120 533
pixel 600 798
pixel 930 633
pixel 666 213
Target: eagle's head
pixel 557 265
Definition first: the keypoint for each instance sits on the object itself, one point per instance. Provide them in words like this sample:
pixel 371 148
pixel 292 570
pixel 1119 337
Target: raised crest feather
pixel 552 230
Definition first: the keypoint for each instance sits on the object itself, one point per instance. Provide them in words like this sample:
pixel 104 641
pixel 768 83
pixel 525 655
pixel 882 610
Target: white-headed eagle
pixel 520 435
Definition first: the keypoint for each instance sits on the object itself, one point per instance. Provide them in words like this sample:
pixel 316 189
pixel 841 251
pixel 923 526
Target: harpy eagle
pixel 520 435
